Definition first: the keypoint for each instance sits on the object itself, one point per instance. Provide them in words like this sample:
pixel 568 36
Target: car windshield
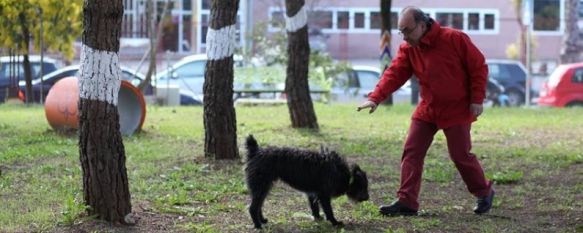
pixel 555 77
pixel 368 80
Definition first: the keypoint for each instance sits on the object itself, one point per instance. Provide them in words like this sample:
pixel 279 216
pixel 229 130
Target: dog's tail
pixel 252 147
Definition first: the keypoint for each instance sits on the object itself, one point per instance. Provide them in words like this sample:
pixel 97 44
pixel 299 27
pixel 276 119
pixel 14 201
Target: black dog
pixel 321 176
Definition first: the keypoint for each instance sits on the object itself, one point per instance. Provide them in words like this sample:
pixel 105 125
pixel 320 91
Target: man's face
pixel 409 30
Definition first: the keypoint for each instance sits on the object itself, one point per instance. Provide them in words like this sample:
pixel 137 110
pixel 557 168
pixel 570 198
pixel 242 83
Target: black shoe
pixel 397 209
pixel 483 204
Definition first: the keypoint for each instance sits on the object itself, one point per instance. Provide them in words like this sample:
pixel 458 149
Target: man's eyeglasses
pixel 406 32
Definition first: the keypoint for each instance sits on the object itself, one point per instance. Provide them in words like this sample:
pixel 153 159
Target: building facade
pixel 350 29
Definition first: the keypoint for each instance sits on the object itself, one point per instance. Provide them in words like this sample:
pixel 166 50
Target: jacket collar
pixel 431 35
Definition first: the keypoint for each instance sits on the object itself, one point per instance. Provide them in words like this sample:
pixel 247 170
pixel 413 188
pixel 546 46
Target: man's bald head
pixel 414 14
pixel 412 25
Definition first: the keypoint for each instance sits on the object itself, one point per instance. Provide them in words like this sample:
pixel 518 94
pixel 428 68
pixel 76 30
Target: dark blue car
pixel 511 74
pixel 7 82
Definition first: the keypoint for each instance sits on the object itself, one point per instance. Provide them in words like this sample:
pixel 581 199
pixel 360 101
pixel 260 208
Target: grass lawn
pixel 535 156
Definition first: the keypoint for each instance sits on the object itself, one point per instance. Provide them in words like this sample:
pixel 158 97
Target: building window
pixel 320 20
pixel 394 20
pixel 342 19
pixel 453 20
pixel 546 15
pixel 369 20
pixel 206 4
pixel 186 32
pixel 359 20
pixel 375 20
pixel 489 21
pixel 187 5
pixel 204 27
pixel 474 21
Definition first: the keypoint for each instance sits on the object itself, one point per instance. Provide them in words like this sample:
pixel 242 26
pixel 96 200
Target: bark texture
pixel 571 50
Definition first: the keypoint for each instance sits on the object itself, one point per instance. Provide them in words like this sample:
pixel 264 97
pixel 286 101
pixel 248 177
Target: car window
pixel 191 69
pixel 556 76
pixel 19 69
pixel 4 72
pixel 515 72
pixel 8 70
pixel 577 76
pixel 498 71
pixel 346 80
pixel 367 79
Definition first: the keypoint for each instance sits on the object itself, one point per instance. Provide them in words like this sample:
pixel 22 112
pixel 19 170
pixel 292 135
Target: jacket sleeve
pixel 476 68
pixel 393 77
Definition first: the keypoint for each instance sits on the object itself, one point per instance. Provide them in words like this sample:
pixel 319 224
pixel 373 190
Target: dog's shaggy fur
pixel 321 176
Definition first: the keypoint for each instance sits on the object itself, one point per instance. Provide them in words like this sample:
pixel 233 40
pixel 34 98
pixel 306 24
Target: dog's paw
pixel 338 224
pixel 318 218
pixel 263 220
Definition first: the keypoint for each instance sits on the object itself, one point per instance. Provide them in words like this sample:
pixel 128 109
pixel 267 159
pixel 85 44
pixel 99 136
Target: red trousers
pixel 458 144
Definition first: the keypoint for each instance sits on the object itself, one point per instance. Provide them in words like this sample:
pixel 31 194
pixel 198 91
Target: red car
pixel 564 87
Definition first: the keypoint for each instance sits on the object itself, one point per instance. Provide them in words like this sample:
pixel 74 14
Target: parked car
pixel 49 65
pixel 355 85
pixel 511 74
pixel 564 87
pixel 127 74
pixel 188 73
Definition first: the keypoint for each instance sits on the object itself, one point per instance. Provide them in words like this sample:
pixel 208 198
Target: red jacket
pixel 452 73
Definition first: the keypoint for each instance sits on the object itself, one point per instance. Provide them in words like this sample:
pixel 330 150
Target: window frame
pixel 395 10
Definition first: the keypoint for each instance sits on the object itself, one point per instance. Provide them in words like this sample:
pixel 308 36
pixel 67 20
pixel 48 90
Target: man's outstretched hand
pixel 367 104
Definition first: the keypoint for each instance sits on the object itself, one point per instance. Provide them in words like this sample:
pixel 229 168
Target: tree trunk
pixel 154 39
pixel 220 122
pixel 25 60
pixel 386 40
pixel 152 52
pixel 299 101
pixel 571 50
pixel 101 149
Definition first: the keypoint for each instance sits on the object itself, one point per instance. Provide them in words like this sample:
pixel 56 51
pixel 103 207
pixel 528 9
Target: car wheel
pixel 515 98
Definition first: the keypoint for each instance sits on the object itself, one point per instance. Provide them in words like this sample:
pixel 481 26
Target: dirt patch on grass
pixel 446 207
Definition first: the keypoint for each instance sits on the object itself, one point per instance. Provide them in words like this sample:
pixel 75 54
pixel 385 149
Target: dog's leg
pixel 257 198
pixel 327 207
pixel 314 206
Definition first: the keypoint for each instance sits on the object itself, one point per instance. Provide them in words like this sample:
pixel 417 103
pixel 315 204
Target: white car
pixel 187 73
pixel 355 85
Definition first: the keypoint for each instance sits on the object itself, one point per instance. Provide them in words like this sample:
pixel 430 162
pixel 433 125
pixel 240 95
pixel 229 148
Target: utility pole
pixel 40 13
pixel 528 23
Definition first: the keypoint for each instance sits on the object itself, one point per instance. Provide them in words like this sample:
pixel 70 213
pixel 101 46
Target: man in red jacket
pixel 452 74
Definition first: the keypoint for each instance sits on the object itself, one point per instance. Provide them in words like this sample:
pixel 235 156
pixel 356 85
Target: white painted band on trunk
pixel 99 75
pixel 221 43
pixel 297 21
